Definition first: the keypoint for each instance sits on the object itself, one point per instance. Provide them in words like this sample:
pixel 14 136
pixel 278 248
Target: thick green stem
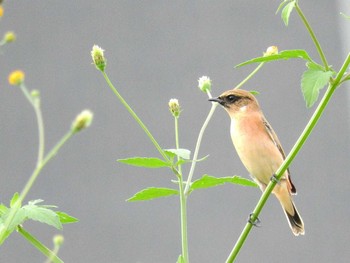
pixel 134 115
pixel 313 36
pixel 38 245
pixel 298 145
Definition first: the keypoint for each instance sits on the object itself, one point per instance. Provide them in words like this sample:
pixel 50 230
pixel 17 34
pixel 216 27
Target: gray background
pixel 157 50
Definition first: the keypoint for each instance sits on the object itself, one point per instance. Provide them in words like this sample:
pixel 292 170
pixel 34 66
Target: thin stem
pixel 296 148
pixel 183 200
pixel 133 114
pixel 250 75
pixel 199 140
pixel 40 122
pixel 38 245
pixel 313 36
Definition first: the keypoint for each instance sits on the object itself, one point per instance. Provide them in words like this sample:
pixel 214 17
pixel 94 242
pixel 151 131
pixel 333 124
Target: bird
pixel 259 149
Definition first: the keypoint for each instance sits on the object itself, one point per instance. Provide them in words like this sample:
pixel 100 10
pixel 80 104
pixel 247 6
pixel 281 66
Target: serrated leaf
pixel 152 193
pixel 210 181
pixel 283 55
pixel 145 162
pixel 287 10
pixel 65 218
pixel 43 215
pixel 312 81
pixel 182 153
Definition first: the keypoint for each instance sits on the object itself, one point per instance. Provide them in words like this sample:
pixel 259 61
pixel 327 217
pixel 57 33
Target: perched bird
pixel 259 149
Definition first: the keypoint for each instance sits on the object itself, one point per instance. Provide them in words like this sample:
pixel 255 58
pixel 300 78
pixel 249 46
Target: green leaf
pixel 65 218
pixel 3 209
pixel 210 181
pixel 283 55
pixel 287 10
pixel 281 6
pixel 312 81
pixel 145 162
pixel 14 200
pixel 42 214
pixel 152 193
pixel 182 153
pixel 180 259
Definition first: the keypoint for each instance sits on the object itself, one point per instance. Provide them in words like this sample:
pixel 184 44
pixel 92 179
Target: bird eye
pixel 232 98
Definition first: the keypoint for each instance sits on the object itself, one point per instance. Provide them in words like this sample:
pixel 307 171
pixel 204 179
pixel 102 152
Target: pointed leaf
pixel 65 218
pixel 3 209
pixel 283 55
pixel 210 181
pixel 43 215
pixel 14 199
pixel 152 193
pixel 312 81
pixel 145 162
pixel 281 6
pixel 287 10
pixel 183 153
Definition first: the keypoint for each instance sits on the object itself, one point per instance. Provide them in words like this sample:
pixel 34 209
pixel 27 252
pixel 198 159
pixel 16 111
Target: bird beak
pixel 218 100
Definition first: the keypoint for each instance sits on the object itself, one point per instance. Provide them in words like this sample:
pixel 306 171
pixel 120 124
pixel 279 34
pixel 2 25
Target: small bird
pixel 259 149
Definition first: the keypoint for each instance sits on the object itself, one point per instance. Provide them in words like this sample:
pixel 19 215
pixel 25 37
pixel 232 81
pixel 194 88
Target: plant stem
pixel 183 200
pixel 313 36
pixel 40 122
pixel 199 140
pixel 133 114
pixel 296 148
pixel 250 75
pixel 38 245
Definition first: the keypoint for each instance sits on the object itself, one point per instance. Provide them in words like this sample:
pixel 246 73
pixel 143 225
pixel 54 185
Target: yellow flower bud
pixel 174 107
pixel 204 84
pixel 1 11
pixel 82 121
pixel 98 57
pixel 16 77
pixel 9 37
pixel 58 240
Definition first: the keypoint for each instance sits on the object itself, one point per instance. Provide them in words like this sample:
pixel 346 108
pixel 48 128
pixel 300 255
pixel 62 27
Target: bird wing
pixel 277 143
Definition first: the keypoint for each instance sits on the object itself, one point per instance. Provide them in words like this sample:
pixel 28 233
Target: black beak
pixel 218 100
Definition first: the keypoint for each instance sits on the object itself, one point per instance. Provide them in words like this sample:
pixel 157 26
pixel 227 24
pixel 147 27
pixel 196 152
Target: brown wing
pixel 275 140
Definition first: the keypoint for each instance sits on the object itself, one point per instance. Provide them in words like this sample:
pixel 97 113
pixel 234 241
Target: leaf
pixel 3 209
pixel 145 162
pixel 152 193
pixel 42 214
pixel 65 218
pixel 312 81
pixel 182 153
pixel 287 10
pixel 180 259
pixel 14 200
pixel 210 181
pixel 285 55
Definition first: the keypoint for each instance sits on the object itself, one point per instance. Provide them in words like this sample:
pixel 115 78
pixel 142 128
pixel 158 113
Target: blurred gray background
pixel 157 50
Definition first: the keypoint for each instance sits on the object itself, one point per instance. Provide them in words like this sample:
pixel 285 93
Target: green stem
pixel 133 114
pixel 199 140
pixel 38 245
pixel 313 36
pixel 296 148
pixel 250 75
pixel 183 200
pixel 40 122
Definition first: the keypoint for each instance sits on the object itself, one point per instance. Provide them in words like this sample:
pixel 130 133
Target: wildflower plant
pixel 316 76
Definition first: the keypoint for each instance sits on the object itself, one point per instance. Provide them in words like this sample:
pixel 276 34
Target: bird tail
pixel 295 221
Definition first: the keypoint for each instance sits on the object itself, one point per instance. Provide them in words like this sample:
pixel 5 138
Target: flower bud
pixel 1 11
pixel 16 77
pixel 204 84
pixel 98 57
pixel 82 121
pixel 58 240
pixel 273 50
pixel 9 37
pixel 174 107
